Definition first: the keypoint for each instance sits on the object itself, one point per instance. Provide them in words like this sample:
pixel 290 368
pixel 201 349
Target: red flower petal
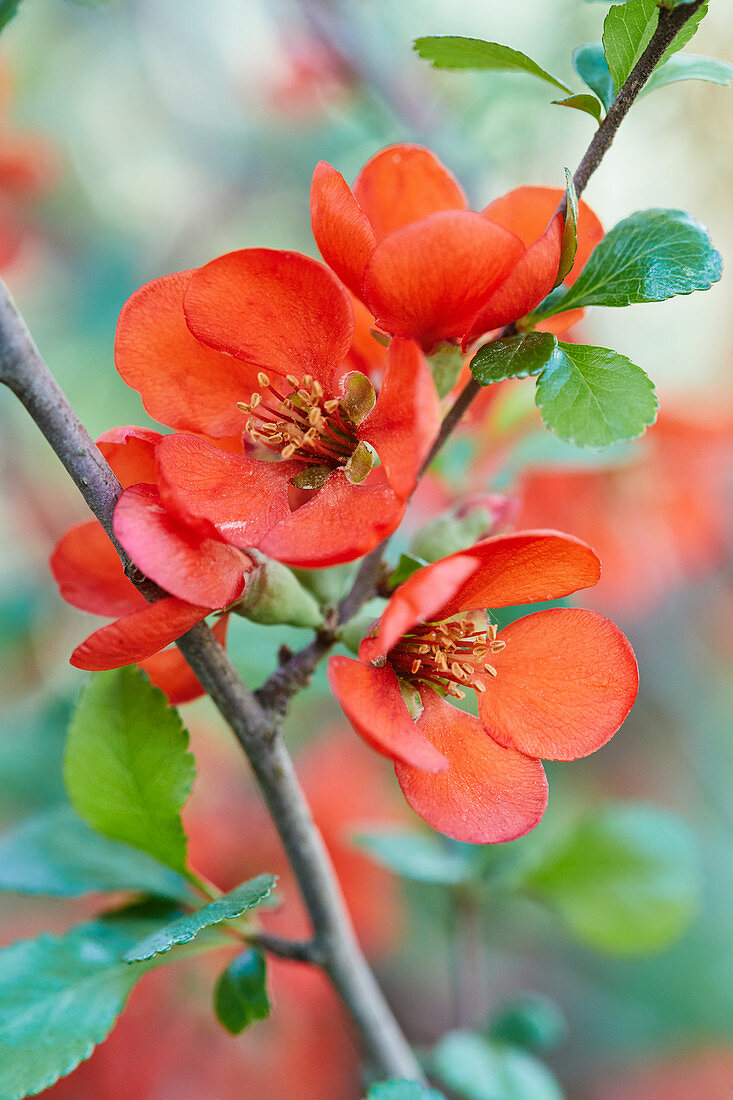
pixel 405 421
pixel 340 523
pixel 372 701
pixel 185 562
pixel 131 454
pixel 240 497
pixel 89 573
pixel 529 282
pixel 428 280
pixel 488 795
pixel 342 231
pixel 366 354
pixel 404 184
pixel 565 683
pixel 419 599
pixel 279 311
pixel 181 382
pixel 137 636
pixel 170 671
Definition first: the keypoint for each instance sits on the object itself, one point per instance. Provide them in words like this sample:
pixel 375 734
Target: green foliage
pixel 648 257
pixel 456 52
pixel 127 768
pixel 8 11
pixel 400 1089
pixel 182 930
pixel 530 1021
pixel 448 534
pixel 589 62
pixel 690 67
pixel 582 102
pixel 422 857
pixel 594 397
pixel 480 1070
pixel 406 566
pixel 625 879
pixel 445 365
pixel 60 996
pixel 628 29
pixel 57 853
pixel 240 993
pixel 513 357
pixel 570 232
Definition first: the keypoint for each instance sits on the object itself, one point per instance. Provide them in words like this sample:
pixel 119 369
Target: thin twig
pixel 297 950
pixel 23 369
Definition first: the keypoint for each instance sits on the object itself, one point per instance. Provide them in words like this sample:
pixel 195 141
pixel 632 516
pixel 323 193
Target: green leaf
pixel 594 397
pixel 240 993
pixel 445 365
pixel 406 566
pixel 57 853
pixel 625 879
pixel 648 257
pixel 402 1089
pixel 455 52
pixel 513 357
pixel 59 997
pixel 8 11
pixel 127 770
pixel 246 896
pixel 589 62
pixel 530 1021
pixel 479 1070
pixel 570 232
pixel 421 857
pixel 628 29
pixel 582 102
pixel 690 67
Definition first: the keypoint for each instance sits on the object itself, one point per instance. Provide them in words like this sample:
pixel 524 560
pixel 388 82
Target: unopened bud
pixel 357 629
pixel 274 595
pixel 475 520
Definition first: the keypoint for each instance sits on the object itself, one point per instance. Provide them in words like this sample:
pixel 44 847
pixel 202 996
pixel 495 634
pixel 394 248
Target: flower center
pixel 448 655
pixel 299 424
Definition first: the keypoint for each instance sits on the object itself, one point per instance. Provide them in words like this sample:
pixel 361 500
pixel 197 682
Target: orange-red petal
pixel 342 231
pixel 131 454
pixel 89 573
pixel 339 524
pixel 183 560
pixel 428 280
pixel 278 311
pixel 488 795
pixel 372 701
pixel 170 671
pixel 137 636
pixel 404 184
pixel 238 496
pixel 405 421
pixel 565 682
pixel 182 383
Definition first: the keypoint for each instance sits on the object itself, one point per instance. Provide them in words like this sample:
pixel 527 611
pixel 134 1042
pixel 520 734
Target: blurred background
pixel 148 136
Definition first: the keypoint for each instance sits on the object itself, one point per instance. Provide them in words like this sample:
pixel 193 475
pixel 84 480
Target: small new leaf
pixel 570 232
pixel 401 1089
pixel 589 62
pixel 473 1067
pixel 183 929
pixel 513 357
pixel 456 52
pixel 127 768
pixel 240 993
pixel 690 67
pixel 8 11
pixel 594 397
pixel 582 102
pixel 628 29
pixel 421 857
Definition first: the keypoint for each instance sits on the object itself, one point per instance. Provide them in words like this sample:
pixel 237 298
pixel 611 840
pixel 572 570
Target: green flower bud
pixel 353 633
pixel 274 595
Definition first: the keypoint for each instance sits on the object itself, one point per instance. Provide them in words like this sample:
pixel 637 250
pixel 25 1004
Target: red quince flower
pixel 257 342
pixel 428 268
pixel 91 577
pixel 554 685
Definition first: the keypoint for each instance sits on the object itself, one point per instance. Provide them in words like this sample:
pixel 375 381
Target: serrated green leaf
pixel 594 397
pixel 625 879
pixel 589 62
pixel 479 1070
pixel 456 52
pixel 127 768
pixel 57 853
pixel 628 29
pixel 582 102
pixel 238 901
pixel 402 1089
pixel 240 993
pixel 570 232
pixel 513 357
pixel 421 857
pixel 648 257
pixel 690 67
pixel 59 998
